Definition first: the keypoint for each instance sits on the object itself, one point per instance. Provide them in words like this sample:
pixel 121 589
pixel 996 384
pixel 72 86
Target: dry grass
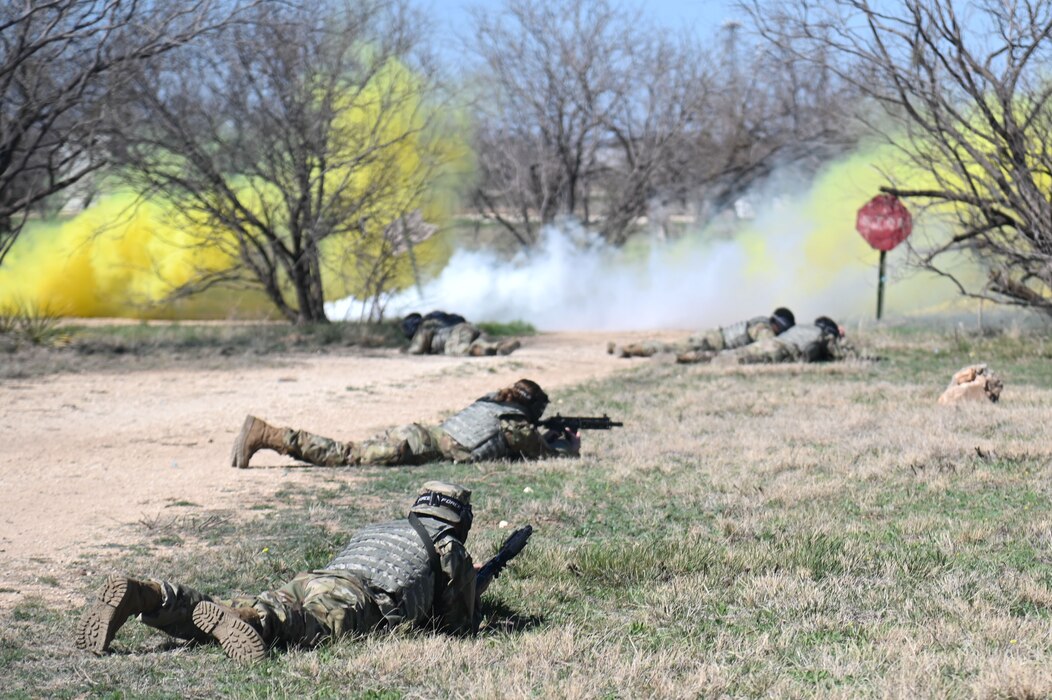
pixel 775 532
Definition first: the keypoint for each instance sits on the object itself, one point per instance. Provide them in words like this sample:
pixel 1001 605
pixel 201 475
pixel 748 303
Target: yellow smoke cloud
pixel 124 257
pixel 119 257
pixel 822 223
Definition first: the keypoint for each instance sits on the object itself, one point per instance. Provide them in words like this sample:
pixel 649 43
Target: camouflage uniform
pixel 700 346
pixel 435 337
pixel 486 429
pixel 807 343
pixel 381 579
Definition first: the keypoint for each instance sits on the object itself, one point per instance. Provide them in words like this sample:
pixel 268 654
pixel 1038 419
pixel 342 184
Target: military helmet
pixel 410 323
pixel 444 501
pixel 783 318
pixel 828 325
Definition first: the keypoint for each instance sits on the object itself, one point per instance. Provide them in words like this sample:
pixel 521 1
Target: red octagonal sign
pixel 884 222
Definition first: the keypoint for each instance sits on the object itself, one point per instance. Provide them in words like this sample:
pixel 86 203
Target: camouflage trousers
pixel 704 342
pixel 312 607
pixel 408 444
pixel 765 351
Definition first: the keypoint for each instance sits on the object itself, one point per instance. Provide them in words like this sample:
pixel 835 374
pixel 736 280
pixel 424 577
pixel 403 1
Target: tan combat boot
pixel 507 347
pixel 236 629
pixel 117 600
pixel 256 435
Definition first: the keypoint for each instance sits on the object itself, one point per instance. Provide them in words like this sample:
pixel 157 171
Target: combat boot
pixel 117 600
pixel 256 435
pixel 507 347
pixel 236 629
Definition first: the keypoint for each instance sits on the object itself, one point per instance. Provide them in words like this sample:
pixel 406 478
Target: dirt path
pixel 84 458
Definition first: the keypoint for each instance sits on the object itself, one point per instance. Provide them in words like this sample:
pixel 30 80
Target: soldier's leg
pixel 706 341
pixel 257 435
pixel 315 606
pixel 462 339
pixel 645 349
pixel 159 604
pixel 316 449
pixel 695 356
pixel 408 444
pixel 485 346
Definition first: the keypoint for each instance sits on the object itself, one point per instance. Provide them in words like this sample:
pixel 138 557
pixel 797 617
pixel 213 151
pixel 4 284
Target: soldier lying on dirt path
pixel 439 333
pixel 500 425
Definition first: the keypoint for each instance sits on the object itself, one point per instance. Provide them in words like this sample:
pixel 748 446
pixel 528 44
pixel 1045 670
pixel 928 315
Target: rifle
pixel 509 550
pixel 575 423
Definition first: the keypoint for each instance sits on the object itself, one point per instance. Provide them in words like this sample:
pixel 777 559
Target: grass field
pixel 793 531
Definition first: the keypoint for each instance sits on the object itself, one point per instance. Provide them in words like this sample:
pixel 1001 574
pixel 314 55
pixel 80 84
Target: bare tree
pixel 59 60
pixel 965 95
pixel 588 111
pixel 765 110
pixel 292 142
pixel 555 79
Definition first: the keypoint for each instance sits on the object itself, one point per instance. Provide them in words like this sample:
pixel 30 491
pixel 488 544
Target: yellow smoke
pixel 120 257
pixel 822 223
pixel 123 257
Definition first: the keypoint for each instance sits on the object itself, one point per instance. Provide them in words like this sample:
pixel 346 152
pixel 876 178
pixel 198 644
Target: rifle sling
pixel 432 554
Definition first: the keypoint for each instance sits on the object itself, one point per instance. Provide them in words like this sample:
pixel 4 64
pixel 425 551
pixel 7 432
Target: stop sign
pixel 884 222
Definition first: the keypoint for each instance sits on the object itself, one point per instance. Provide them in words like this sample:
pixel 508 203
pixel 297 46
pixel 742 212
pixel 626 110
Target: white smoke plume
pixel 571 280
pixel 801 252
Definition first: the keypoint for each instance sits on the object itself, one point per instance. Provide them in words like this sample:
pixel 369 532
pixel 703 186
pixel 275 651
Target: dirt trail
pixel 86 457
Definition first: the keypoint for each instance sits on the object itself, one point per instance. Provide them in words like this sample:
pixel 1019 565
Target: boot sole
pixel 97 627
pixel 239 640
pixel 238 459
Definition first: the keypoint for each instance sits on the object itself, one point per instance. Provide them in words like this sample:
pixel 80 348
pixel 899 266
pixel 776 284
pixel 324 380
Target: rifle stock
pixel 515 543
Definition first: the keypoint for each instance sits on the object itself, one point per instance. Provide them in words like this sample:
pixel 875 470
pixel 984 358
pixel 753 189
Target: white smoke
pixel 572 280
pixel 797 250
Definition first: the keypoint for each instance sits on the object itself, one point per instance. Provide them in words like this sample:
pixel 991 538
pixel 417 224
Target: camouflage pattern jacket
pixel 801 343
pixel 391 559
pixel 488 429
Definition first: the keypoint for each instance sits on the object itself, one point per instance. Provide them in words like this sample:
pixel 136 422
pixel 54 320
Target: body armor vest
pixel 390 558
pixel 737 335
pixel 438 340
pixel 804 340
pixel 477 428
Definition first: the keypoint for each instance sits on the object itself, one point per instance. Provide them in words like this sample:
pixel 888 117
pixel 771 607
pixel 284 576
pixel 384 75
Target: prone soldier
pixel 703 344
pixel 414 570
pixel 822 341
pixel 439 333
pixel 499 425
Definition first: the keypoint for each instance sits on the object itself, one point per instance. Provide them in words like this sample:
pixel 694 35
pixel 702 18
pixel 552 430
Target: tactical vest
pixel 477 428
pixel 390 558
pixel 438 340
pixel 737 334
pixel 805 342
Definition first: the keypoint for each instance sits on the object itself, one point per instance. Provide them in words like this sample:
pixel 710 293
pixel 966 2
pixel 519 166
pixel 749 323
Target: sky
pixel 453 16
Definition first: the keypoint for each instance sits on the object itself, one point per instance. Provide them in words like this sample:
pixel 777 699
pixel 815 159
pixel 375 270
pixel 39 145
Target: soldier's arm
pixel 759 331
pixel 421 342
pixel 456 605
pixel 526 441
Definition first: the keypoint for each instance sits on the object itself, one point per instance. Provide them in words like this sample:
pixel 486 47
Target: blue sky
pixel 451 16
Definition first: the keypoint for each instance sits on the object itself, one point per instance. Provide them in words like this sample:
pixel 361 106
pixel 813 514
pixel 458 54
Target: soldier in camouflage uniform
pixel 821 342
pixel 500 425
pixel 439 333
pixel 413 570
pixel 703 345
